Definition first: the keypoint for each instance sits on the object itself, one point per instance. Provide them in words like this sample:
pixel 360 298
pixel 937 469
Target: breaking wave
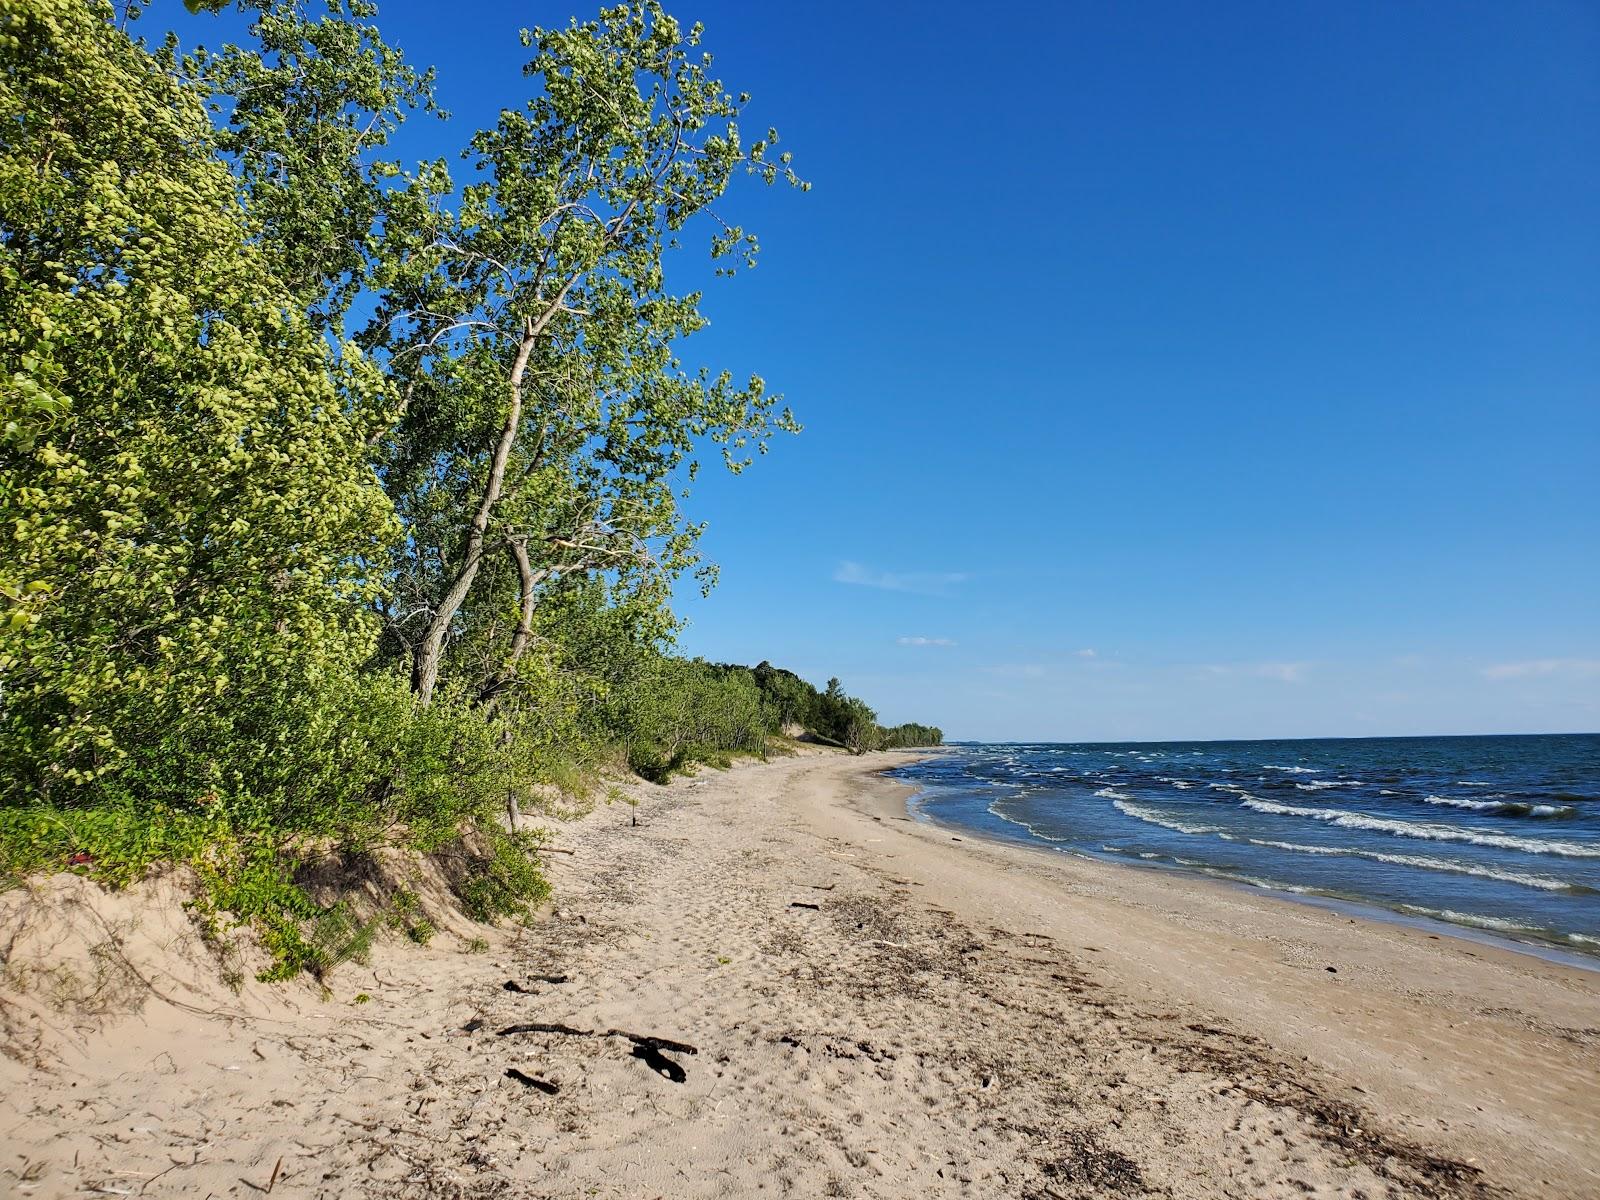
pixel 1425 830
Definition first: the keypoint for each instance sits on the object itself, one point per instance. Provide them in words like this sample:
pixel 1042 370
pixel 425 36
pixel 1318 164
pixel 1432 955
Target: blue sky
pixel 1168 371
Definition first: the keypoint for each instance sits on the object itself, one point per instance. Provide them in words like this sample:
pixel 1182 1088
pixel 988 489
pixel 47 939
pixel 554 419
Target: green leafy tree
pixel 186 514
pixel 291 439
pixel 547 422
pixel 304 108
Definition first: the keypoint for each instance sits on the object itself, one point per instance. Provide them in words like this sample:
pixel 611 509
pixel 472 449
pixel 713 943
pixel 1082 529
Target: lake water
pixel 1495 833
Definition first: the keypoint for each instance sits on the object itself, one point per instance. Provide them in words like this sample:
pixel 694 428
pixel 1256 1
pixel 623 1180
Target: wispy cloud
pixel 1578 668
pixel 1086 653
pixel 927 583
pixel 1016 670
pixel 1283 672
pixel 925 641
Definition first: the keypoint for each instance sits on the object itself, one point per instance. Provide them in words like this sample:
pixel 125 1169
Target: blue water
pixel 1495 833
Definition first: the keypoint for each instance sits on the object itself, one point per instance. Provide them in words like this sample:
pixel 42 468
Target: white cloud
pixel 1579 668
pixel 925 641
pixel 1283 672
pixel 927 583
pixel 1086 653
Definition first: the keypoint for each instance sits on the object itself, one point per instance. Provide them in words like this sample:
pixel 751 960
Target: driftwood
pixel 647 1048
pixel 638 1039
pixel 803 904
pixel 543 1085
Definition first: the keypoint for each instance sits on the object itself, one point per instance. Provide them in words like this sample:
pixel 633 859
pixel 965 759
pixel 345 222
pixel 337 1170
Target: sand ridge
pixel 875 1010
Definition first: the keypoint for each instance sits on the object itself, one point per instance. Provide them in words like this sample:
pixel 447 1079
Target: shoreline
pixel 874 1010
pixel 1417 978
pixel 1365 910
pixel 1348 905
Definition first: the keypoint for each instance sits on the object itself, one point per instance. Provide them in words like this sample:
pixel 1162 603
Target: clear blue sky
pixel 1168 370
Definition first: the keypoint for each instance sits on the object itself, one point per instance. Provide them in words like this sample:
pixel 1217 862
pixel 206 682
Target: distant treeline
pixel 831 714
pixel 673 712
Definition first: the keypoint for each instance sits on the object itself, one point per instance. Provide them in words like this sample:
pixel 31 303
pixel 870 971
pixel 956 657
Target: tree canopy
pixel 340 500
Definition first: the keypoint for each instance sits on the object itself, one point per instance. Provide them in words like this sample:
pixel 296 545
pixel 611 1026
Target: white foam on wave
pixel 1322 785
pixel 1140 812
pixel 1291 770
pixel 1497 924
pixel 1032 831
pixel 1426 862
pixel 1185 784
pixel 1271 885
pixel 1425 830
pixel 1502 806
pixel 1229 787
pixel 1204 868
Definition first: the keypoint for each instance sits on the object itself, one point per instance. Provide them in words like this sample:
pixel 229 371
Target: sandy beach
pixel 776 983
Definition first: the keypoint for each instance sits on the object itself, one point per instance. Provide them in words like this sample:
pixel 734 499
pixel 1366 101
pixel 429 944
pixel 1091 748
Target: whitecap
pixel 1229 787
pixel 1424 861
pixel 1291 770
pixel 1032 831
pixel 1322 785
pixel 1428 830
pixel 1155 817
pixel 1513 807
pixel 1498 924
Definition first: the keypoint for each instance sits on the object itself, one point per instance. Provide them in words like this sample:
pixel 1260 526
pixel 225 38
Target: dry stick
pixel 526 1080
pixel 638 1039
pixel 552 850
pixel 273 1182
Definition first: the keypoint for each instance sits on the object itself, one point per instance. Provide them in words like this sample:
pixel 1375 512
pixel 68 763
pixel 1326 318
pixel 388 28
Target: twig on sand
pixel 553 850
pixel 646 1047
pixel 526 1080
pixel 638 1039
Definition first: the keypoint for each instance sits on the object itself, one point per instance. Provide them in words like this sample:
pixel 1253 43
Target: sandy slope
pixel 953 1018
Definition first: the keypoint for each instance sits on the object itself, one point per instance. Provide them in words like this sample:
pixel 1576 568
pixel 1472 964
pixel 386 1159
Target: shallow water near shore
pixel 1495 834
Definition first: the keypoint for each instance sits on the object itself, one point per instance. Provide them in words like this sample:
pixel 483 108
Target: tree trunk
pixel 527 581
pixel 429 652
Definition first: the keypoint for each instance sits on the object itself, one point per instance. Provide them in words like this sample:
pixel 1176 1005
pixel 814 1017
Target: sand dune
pixel 877 1009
